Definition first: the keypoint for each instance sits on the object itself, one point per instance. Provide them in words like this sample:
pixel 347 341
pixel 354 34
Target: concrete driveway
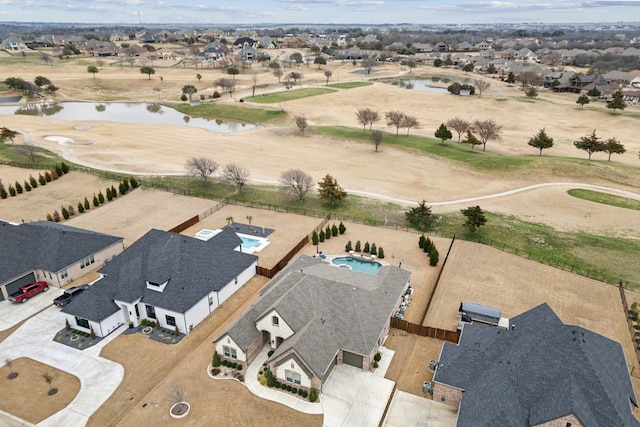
pixel 11 314
pixel 354 398
pixel 99 377
pixel 410 410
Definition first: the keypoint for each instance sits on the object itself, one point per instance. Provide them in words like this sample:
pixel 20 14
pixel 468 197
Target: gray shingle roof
pixel 328 308
pixel 47 246
pixel 539 371
pixel 192 267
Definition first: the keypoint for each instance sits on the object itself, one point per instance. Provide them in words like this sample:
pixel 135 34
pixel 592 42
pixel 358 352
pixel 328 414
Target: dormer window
pixel 275 321
pixel 158 287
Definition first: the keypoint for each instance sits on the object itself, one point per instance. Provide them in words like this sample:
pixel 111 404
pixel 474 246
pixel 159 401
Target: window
pixel 64 274
pixel 210 301
pixel 151 311
pixel 229 352
pixel 275 321
pixel 83 323
pixel 293 377
pixel 87 261
pixel 171 321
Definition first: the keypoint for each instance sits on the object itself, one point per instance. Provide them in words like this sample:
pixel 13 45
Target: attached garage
pixel 352 359
pixel 12 287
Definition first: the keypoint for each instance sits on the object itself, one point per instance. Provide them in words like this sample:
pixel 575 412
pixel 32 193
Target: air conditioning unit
pixel 426 387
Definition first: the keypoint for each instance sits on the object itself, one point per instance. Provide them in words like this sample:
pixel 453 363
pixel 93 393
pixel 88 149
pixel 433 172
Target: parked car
pixel 68 295
pixel 27 291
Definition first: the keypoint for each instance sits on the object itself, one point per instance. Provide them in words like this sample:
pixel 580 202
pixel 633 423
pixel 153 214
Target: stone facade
pixel 447 394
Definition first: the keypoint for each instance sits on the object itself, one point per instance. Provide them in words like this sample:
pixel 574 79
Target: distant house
pixel 539 372
pixel 315 316
pixel 576 84
pixel 174 280
pixel 55 253
pixel 13 44
pixel 245 41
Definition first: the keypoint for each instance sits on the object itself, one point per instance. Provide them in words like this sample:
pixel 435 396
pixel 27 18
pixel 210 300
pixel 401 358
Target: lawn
pixel 350 85
pixel 247 115
pixel 290 95
pixel 605 198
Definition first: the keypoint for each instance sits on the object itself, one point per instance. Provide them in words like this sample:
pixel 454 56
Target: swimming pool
pixel 249 245
pixel 248 242
pixel 361 265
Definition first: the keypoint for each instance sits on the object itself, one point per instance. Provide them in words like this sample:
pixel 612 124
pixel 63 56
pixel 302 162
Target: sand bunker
pixel 63 140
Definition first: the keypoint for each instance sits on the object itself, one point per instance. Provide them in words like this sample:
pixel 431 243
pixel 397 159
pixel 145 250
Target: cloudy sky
pixel 319 11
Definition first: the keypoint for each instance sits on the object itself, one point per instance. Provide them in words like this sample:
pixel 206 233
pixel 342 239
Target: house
pixel 245 41
pixel 13 44
pixel 49 251
pixel 315 316
pixel 165 277
pixel 539 372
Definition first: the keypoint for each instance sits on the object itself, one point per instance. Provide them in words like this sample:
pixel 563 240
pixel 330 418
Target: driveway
pixel 11 314
pixel 410 410
pixel 99 377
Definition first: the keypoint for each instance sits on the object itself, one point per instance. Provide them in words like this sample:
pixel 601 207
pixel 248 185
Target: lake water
pixel 423 85
pixel 123 112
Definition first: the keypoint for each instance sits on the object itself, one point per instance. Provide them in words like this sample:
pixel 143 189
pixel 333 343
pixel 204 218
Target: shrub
pixel 239 367
pixel 47 176
pixel 327 233
pixel 314 238
pixel 374 249
pixel 122 189
pixel 80 207
pixel 96 203
pixel 269 353
pixel 33 182
pixel 125 185
pixel 56 216
pixel 234 365
pixel 18 188
pixel 54 175
pixel 313 395
pixel 283 386
pixel 65 213
pixel 183 98
pixel 366 248
pixel 215 371
pixel 3 193
pixel 134 182
pixel 262 380
pixel 177 331
pixel 294 390
pixel 377 357
pixel 341 228
pixel 93 334
pixel 87 206
pixel 380 252
pixel 67 325
pixel 348 247
pixel 71 210
pixel 41 180
pixel 114 194
pixel 300 391
pixel 305 393
pixel 334 230
pixel 240 378
pixel 421 241
pixel 27 187
pixel 358 246
pixel 109 196
pixel 375 365
pixel 58 170
pixel 12 190
pixel 64 167
pixel 100 197
pixel 433 257
pixel 321 236
pixel 49 217
pixel 225 362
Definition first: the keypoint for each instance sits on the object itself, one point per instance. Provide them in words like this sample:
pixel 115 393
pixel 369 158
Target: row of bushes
pixel 98 199
pixel 368 249
pixel 327 233
pixel 17 188
pixel 429 247
pixel 270 381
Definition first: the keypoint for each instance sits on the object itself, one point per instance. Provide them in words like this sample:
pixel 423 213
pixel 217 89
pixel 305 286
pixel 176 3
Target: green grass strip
pixel 240 114
pixel 350 85
pixel 605 198
pixel 289 95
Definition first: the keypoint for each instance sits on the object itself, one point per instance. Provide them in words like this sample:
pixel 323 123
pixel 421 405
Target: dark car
pixel 68 295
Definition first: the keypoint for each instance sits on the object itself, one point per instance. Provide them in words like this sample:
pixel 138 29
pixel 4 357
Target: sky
pixel 319 11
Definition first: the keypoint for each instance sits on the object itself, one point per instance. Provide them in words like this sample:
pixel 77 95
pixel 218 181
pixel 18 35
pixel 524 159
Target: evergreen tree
pixel 27 186
pixel 18 187
pixel 475 218
pixel 65 213
pixel 56 216
pixel 330 191
pixel 47 176
pixel 366 248
pixel 58 170
pixel 327 232
pixel 443 133
pixel 420 217
pixel 334 230
pixel 114 193
pixel 342 228
pixel 348 247
pixel 12 191
pixel 511 78
pixel 100 197
pixel 87 206
pixel 49 217
pixel 314 238
pixel 358 246
pixel 380 252
pixel 3 193
pixel 433 257
pixel 109 196
pixel 583 100
pixel 42 180
pixel 617 101
pixel 421 241
pixel 321 235
pixel 71 210
pixel 96 203
pixel 80 207
pixel 64 168
pixel 374 249
pixel 33 181
pixel 541 141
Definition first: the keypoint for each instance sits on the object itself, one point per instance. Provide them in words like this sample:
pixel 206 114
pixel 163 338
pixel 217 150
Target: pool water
pixel 248 242
pixel 370 267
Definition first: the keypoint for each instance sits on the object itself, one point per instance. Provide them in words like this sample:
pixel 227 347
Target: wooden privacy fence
pixel 188 223
pixel 425 331
pixel 270 272
pixel 635 335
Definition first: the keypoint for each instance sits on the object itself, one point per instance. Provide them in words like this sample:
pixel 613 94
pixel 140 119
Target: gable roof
pixel 327 307
pixel 538 371
pixel 45 245
pixel 193 268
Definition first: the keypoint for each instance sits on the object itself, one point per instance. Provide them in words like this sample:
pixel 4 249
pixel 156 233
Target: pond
pixel 423 85
pixel 124 112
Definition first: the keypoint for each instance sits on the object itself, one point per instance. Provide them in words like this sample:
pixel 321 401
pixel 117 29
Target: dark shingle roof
pixel 193 268
pixel 328 308
pixel 538 371
pixel 46 246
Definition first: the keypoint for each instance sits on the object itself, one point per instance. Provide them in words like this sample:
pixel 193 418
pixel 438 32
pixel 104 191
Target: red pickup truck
pixel 27 291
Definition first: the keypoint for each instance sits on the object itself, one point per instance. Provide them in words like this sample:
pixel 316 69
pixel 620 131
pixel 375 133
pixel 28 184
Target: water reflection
pixel 423 85
pixel 154 108
pixel 101 108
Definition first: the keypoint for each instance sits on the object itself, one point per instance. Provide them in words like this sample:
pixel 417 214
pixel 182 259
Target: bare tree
pixel 201 166
pixel 394 118
pixel 530 78
pixel 328 74
pixel 278 73
pixel 363 117
pixel 236 175
pixel 368 64
pixel 487 130
pixel 30 150
pixel 409 122
pixel 48 377
pixel 482 85
pixel 227 85
pixel 297 182
pixel 301 122
pixel 177 393
pixel 459 125
pixel 254 80
pixel 376 138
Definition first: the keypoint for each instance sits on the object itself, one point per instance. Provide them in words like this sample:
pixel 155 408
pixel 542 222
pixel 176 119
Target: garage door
pixel 352 359
pixel 13 286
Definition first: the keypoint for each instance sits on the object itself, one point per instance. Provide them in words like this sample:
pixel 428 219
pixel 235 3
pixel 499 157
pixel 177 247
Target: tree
pixel 93 70
pixel 511 78
pixel 233 71
pixel 330 191
pixel 467 68
pixel 189 90
pixel 617 101
pixel 590 143
pixel 437 62
pixel 420 217
pixel 41 81
pixel 201 166
pixel 409 122
pixel 328 74
pixel 368 64
pixel 6 133
pixel 459 125
pixel 376 137
pixel 236 175
pixel 320 61
pixel 482 85
pixel 541 141
pixel 254 80
pixel 475 218
pixel 531 92
pixel 594 93
pixel 49 377
pixel 301 123
pixel 394 118
pixel 583 100
pixel 613 146
pixel 295 76
pixel 227 85
pixel 198 76
pixel 491 69
pixel 147 70
pixel 487 130
pixel 530 78
pixel 296 57
pixel 443 133
pixel 471 139
pixel 297 182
